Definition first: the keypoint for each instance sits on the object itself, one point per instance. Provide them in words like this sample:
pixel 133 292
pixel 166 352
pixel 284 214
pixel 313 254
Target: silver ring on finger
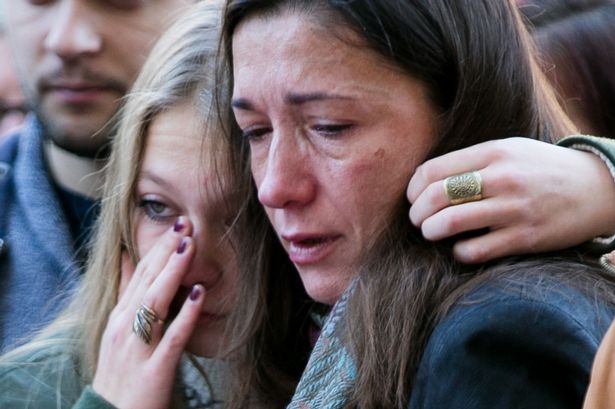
pixel 142 325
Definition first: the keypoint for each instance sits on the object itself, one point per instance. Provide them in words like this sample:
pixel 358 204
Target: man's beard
pixel 69 131
pixel 63 138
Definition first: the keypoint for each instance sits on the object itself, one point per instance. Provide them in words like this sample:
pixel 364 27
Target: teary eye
pixel 331 130
pixel 156 210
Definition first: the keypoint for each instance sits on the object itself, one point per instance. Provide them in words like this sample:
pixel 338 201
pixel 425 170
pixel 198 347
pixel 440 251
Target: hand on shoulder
pixel 536 197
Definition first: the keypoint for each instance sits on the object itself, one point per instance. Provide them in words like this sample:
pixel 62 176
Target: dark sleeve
pixel 513 353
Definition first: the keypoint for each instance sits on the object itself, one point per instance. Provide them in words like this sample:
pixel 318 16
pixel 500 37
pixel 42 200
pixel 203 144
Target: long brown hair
pixel 475 58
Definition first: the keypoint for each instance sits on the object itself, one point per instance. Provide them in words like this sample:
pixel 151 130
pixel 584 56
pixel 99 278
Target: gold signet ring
pixel 466 187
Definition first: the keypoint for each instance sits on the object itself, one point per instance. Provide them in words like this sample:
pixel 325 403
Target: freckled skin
pixel 339 184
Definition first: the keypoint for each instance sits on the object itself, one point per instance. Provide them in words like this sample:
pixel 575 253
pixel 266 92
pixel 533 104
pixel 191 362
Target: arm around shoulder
pixel 604 149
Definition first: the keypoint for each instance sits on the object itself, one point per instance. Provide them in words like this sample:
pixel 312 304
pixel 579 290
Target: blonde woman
pixel 164 212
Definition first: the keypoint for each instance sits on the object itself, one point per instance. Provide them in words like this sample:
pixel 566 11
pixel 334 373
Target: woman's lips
pixel 306 249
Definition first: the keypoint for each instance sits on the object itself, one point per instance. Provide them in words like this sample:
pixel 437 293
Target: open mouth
pixel 314 241
pixel 310 249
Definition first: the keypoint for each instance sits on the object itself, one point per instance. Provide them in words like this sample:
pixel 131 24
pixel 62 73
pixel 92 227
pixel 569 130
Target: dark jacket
pixel 520 340
pixel 504 346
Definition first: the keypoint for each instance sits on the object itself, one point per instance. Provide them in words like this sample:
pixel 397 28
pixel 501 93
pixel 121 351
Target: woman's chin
pixel 325 286
pixel 206 342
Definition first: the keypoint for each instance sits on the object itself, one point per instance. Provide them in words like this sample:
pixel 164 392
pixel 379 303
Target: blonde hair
pixel 179 69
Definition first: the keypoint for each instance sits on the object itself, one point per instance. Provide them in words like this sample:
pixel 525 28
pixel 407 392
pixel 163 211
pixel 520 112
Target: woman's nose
pixel 284 176
pixel 207 264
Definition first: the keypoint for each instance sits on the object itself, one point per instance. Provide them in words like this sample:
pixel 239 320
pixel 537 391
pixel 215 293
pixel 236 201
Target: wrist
pixel 600 151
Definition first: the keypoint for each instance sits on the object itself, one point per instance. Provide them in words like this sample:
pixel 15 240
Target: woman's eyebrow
pixel 291 99
pixel 299 99
pixel 147 175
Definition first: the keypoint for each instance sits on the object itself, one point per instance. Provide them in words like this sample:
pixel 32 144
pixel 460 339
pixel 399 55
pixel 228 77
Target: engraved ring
pixel 466 187
pixel 142 325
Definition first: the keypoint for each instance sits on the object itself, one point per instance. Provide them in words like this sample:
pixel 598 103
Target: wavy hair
pixel 180 69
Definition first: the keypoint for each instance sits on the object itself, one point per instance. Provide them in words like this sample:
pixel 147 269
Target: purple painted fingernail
pixel 195 293
pixel 179 225
pixel 182 246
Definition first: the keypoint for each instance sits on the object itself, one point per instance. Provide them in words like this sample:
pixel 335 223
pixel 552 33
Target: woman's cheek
pixel 146 235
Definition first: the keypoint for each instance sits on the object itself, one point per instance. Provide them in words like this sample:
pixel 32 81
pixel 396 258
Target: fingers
pixel 469 159
pixel 426 190
pixel 155 259
pixel 162 291
pixel 534 198
pixel 179 332
pixel 155 303
pixel 431 200
pixel 152 285
pixel 434 198
pixel 135 345
pixel 158 295
pixel 153 263
pixel 495 244
pixel 452 221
